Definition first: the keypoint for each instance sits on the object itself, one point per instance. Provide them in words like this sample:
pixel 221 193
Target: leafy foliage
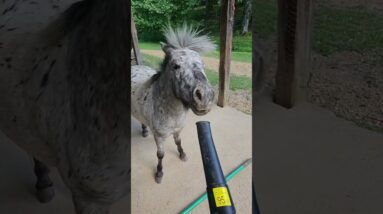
pixel 151 16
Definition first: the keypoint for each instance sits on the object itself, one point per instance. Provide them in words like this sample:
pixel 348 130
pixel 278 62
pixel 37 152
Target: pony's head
pixel 185 67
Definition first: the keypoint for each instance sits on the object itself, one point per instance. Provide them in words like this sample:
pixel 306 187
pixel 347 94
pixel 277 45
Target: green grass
pixel 265 17
pixel 235 56
pixel 334 29
pixel 151 61
pixel 150 45
pixel 352 29
pixel 236 81
pixel 241 43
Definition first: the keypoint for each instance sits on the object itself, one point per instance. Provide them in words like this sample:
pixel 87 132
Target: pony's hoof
pixel 183 157
pixel 145 133
pixel 45 195
pixel 158 177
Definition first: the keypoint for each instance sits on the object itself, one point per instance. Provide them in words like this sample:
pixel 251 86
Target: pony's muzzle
pixel 202 99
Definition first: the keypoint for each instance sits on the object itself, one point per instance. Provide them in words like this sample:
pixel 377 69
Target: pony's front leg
pixel 160 155
pixel 145 131
pixel 44 185
pixel 85 205
pixel 177 140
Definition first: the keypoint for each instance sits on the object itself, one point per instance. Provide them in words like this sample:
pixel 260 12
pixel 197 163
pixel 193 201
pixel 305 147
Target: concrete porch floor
pixel 307 160
pixel 182 182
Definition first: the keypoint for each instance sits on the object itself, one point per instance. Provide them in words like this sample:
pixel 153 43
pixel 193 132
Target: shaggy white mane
pixel 187 37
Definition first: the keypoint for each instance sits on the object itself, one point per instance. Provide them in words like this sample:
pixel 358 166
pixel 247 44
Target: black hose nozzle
pixel 218 193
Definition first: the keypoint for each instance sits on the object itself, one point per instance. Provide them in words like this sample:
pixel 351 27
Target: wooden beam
pixel 226 37
pixel 136 48
pixel 294 26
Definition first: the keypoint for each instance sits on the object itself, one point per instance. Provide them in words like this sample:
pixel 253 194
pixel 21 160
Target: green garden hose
pixel 203 197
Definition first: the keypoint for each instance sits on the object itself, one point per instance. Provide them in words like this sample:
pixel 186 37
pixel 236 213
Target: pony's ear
pixel 166 48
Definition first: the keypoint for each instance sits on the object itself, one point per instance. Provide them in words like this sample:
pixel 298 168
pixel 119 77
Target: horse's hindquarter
pixel 21 25
pixel 24 107
pixel 11 103
pixel 37 113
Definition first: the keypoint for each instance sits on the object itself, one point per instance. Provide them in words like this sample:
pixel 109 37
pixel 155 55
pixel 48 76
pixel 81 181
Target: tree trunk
pixel 226 44
pixel 246 17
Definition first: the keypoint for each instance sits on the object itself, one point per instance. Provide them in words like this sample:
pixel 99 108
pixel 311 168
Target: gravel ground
pixel 349 84
pixel 238 99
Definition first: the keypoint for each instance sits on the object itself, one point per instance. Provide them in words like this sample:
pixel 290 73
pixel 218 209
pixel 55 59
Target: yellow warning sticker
pixel 221 197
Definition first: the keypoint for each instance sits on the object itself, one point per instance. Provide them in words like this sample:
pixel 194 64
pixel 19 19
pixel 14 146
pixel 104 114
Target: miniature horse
pixel 161 99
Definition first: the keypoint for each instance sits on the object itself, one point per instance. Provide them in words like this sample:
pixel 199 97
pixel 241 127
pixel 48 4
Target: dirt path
pixel 238 68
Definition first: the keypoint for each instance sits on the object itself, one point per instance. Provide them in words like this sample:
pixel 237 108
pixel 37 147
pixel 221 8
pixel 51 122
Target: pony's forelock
pixel 186 36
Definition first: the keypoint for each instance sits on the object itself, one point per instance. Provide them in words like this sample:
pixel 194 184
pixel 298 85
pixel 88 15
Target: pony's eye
pixel 176 66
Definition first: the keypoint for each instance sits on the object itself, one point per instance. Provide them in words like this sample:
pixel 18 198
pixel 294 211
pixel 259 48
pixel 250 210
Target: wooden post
pixel 294 26
pixel 226 37
pixel 136 49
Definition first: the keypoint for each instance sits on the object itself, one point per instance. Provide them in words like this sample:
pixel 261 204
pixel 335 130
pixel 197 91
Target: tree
pixel 246 17
pixel 209 10
pixel 152 15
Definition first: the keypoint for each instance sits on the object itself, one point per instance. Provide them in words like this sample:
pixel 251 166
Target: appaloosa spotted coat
pixel 64 95
pixel 161 99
